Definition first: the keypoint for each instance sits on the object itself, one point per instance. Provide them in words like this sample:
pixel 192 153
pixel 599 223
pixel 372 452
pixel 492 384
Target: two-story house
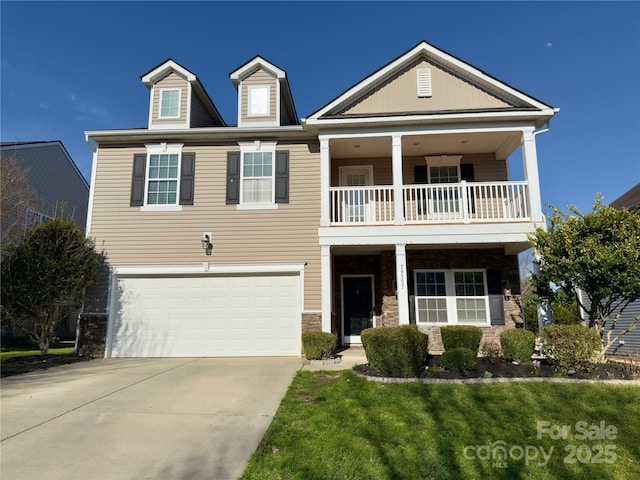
pixel 393 204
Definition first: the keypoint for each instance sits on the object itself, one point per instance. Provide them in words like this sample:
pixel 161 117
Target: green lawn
pixel 338 426
pixel 6 355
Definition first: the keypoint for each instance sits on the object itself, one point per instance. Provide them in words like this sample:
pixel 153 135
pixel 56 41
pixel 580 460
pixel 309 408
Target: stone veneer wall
pixel 513 319
pixel 473 258
pixel 311 322
pixel 92 335
pixel 383 268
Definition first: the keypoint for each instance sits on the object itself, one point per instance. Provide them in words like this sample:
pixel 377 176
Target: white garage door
pixel 206 316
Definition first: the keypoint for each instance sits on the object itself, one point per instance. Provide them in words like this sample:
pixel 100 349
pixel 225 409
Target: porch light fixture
pixel 207 246
pixel 507 294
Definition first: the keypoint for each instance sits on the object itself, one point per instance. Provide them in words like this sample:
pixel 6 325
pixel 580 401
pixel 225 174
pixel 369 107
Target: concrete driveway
pixel 140 418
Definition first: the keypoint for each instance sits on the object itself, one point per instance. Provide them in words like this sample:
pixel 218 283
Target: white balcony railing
pixel 443 203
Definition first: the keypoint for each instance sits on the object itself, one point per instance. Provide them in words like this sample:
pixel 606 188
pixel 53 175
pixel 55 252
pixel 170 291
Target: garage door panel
pixel 206 316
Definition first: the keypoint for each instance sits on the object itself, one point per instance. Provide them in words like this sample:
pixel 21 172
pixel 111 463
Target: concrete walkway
pixel 139 419
pixel 349 358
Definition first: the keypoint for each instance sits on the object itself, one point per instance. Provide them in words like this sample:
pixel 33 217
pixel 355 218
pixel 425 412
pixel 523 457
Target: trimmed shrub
pixel 491 351
pixel 396 351
pixel 461 336
pixel 460 359
pixel 319 345
pixel 571 347
pixel 518 345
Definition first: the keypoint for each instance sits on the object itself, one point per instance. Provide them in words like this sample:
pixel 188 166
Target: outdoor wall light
pixel 207 246
pixel 507 293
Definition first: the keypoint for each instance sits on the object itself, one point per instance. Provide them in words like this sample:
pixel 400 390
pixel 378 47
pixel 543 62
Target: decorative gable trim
pixel 164 69
pixel 438 57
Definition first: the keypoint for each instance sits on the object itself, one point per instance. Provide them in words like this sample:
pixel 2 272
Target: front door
pixel 357 307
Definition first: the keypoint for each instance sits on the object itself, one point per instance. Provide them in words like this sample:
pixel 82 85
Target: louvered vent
pixel 424 82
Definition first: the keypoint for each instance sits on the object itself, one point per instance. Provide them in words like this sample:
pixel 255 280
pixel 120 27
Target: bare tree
pixel 17 197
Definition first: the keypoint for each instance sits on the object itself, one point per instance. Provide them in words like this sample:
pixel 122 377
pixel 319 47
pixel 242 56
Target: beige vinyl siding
pixel 400 94
pixel 260 77
pixel 172 80
pixel 289 233
pixel 486 168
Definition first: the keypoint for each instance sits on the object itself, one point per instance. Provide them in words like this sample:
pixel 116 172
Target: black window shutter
pixel 233 178
pixel 420 174
pixel 494 287
pixel 187 174
pixel 282 176
pixel 466 172
pixel 137 179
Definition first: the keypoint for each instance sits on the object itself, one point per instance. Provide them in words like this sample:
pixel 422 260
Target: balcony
pixel 464 202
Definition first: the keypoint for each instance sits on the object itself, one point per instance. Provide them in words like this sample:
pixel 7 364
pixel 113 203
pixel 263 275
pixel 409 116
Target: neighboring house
pixel 57 185
pixel 393 204
pixel 54 178
pixel 629 343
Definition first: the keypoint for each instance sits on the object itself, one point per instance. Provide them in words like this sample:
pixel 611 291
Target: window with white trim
pixel 170 103
pixel 259 101
pixel 162 179
pixel 451 297
pixel 257 178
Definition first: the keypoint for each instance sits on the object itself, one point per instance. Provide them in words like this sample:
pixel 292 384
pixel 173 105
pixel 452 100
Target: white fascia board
pixel 257 62
pixel 221 133
pixel 437 118
pixel 207 268
pixel 364 132
pixel 444 234
pixel 94 164
pixel 161 71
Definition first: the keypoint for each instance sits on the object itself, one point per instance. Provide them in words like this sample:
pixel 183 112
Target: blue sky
pixel 69 67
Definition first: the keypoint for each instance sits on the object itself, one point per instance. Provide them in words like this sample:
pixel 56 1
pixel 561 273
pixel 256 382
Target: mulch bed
pixel 504 369
pixel 19 365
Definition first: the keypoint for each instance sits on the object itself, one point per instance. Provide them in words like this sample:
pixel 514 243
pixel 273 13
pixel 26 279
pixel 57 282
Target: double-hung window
pixel 445 297
pixel 170 103
pixel 257 177
pixel 162 179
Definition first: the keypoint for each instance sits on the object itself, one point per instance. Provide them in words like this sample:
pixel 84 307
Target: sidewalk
pixel 349 358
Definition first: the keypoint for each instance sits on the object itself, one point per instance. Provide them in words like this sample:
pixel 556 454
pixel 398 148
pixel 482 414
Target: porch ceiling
pixel 502 144
pixel 508 248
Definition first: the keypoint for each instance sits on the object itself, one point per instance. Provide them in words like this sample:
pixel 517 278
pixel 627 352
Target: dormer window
pixel 258 101
pixel 170 103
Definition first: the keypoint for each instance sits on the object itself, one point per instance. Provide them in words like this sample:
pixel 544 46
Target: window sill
pixel 161 208
pixel 479 325
pixel 257 206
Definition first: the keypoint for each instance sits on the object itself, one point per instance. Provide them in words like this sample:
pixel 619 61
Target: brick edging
pixel 435 381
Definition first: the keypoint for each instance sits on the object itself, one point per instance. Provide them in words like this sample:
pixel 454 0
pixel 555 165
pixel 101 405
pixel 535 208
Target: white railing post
pixel 396 165
pixel 401 284
pixel 326 287
pixel 325 175
pixel 530 160
pixel 465 201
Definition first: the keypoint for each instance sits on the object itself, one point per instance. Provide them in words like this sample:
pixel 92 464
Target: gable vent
pixel 424 82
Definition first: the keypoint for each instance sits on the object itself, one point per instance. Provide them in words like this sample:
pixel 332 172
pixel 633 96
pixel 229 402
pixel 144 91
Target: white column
pixel 396 161
pixel 325 183
pixel 401 284
pixel 530 161
pixel 326 275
